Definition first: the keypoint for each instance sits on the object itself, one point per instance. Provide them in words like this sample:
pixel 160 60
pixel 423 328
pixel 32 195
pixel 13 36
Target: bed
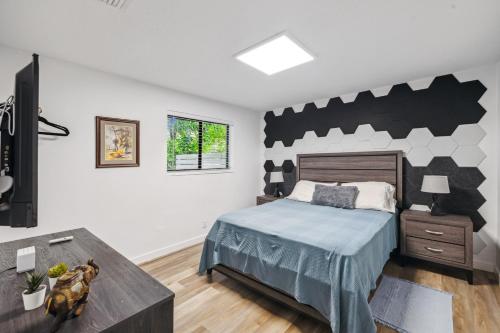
pixel 322 261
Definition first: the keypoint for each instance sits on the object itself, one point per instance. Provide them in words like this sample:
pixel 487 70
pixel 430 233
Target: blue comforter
pixel 326 257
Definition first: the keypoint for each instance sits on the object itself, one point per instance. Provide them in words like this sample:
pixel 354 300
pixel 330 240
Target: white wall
pixel 498 145
pixel 142 212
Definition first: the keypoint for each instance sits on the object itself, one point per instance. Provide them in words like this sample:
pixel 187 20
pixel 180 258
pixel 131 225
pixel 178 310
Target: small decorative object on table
pixel 34 292
pixel 55 272
pixel 436 185
pixel 276 178
pixel 117 142
pixel 68 297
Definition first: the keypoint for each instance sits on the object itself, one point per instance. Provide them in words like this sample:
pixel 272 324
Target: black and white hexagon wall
pixel 436 123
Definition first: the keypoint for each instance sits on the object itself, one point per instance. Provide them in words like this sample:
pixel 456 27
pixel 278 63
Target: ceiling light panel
pixel 275 55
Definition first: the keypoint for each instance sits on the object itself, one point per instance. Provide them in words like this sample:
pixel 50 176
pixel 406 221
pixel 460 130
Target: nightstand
pixel 262 199
pixel 445 239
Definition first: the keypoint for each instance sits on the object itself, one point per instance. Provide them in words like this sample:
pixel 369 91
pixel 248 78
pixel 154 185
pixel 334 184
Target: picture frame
pixel 117 142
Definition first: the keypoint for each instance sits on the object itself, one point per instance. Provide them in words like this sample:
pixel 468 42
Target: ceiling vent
pixel 115 3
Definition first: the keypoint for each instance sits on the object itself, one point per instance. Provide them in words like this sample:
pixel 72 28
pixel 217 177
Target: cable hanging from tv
pixel 65 130
pixel 7 108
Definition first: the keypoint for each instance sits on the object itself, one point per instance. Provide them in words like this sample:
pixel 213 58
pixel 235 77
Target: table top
pixel 120 291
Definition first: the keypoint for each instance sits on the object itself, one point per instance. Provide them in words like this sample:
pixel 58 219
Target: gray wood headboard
pixel 384 166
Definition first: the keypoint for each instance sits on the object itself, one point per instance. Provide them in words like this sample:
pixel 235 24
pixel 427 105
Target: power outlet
pixel 204 225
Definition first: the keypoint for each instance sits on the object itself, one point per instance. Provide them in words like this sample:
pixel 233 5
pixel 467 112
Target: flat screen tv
pixel 19 152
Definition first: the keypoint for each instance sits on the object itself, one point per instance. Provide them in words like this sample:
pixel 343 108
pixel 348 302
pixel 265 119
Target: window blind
pixel 195 144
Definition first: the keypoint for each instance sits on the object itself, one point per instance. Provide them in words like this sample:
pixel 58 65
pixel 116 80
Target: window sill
pixel 197 172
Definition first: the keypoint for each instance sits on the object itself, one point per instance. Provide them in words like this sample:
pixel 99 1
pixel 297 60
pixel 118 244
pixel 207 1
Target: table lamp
pixel 436 185
pixel 276 178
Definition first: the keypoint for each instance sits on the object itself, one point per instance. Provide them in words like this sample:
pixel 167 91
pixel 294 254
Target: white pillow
pixel 375 195
pixel 304 190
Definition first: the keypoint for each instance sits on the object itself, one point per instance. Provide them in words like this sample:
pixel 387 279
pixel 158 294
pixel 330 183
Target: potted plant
pixel 55 272
pixel 34 293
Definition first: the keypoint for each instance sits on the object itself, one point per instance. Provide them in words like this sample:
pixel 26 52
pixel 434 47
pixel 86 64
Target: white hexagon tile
pixel 348 98
pixel 364 132
pixel 335 148
pixel 335 135
pixel 400 144
pixel 381 91
pixel 278 111
pixel 321 103
pixel 468 156
pixel 422 208
pixel 419 156
pixel 309 138
pixel 470 134
pixel 381 139
pixel 363 146
pixel 419 137
pixel 442 146
pixel 349 142
pixel 298 107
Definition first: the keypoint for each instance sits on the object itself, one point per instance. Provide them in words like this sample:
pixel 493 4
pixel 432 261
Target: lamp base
pixel 276 191
pixel 436 210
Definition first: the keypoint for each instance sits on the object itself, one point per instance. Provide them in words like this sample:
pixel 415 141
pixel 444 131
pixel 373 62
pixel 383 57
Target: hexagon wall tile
pixel 400 111
pixel 363 146
pixel 419 137
pixel 470 134
pixel 421 83
pixel 278 111
pixel 335 135
pixel 348 98
pixel 380 139
pixel 349 142
pixel 298 107
pixel 437 137
pixel 468 156
pixel 381 91
pixel 442 146
pixel 321 103
pixel 421 208
pixel 364 132
pixel 400 144
pixel 419 156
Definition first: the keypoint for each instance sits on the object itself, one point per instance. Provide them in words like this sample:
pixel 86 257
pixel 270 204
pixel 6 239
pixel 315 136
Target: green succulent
pixel 57 270
pixel 33 281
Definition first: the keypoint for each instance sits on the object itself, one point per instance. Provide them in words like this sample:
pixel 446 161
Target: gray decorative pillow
pixel 335 196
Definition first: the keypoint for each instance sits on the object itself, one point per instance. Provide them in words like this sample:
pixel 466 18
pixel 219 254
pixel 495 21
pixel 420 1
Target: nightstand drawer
pixel 434 249
pixel 439 232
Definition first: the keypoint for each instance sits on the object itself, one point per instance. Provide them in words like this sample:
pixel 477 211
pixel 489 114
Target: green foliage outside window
pixel 184 137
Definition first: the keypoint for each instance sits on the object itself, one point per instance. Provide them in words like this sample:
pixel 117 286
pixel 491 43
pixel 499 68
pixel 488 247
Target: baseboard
pixel 484 266
pixel 148 256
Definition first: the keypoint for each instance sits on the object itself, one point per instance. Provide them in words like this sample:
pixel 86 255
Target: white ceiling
pixel 188 45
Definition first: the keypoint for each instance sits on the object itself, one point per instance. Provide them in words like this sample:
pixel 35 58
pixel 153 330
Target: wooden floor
pixel 222 305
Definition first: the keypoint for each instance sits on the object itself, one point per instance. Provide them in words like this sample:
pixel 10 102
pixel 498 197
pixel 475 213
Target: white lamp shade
pixel 435 184
pixel 276 177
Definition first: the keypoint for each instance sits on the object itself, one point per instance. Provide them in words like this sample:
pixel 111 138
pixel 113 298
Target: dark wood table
pixel 123 298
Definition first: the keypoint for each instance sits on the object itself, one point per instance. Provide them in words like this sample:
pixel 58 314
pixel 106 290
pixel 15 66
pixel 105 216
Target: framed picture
pixel 117 142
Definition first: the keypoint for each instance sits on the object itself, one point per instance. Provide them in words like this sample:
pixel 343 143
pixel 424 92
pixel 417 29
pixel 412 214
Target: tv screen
pixel 19 152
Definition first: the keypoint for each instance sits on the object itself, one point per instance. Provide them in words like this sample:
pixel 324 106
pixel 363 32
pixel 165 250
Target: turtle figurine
pixel 68 297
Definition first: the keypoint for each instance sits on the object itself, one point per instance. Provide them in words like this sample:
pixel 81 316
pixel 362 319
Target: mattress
pixel 328 258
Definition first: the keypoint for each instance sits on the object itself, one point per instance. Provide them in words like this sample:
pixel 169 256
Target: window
pixel 197 144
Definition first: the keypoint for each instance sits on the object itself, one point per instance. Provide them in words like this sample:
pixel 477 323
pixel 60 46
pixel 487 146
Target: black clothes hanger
pixel 59 127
